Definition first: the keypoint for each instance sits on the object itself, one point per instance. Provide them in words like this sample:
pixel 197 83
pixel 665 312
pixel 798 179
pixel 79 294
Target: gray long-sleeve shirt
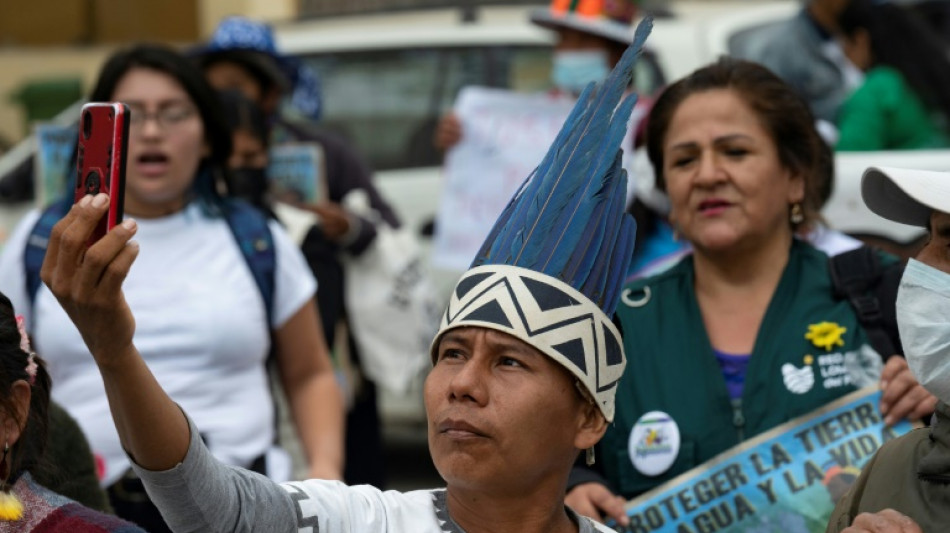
pixel 202 494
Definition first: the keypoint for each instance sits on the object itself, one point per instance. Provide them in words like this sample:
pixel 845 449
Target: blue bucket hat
pixel 253 44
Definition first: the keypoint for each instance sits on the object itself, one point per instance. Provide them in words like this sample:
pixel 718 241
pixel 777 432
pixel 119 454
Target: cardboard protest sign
pixel 53 174
pixel 786 480
pixel 298 173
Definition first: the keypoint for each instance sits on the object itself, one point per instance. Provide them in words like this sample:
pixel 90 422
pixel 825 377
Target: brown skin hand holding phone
pixel 100 165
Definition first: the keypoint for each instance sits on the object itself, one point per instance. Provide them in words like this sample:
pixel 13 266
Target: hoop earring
pixel 797 216
pixel 10 506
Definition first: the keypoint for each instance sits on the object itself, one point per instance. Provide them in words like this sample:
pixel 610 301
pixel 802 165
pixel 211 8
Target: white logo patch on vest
pixel 798 380
pixel 858 368
pixel 654 443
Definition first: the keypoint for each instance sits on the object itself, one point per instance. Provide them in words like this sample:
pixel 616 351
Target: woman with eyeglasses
pixel 203 326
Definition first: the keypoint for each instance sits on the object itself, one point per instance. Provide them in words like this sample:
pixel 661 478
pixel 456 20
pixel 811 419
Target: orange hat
pixel 610 19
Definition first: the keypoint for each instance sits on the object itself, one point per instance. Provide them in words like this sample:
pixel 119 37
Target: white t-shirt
pixel 200 326
pixel 831 241
pixel 335 507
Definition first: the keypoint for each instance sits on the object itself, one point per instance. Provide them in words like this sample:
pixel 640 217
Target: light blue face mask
pixel 923 319
pixel 572 70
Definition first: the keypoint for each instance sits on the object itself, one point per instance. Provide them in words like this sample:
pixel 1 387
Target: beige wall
pixel 38 21
pixel 23 64
pixel 211 11
pixel 122 21
pixel 91 22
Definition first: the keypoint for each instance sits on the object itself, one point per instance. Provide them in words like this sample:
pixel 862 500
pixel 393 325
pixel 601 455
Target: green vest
pixel 671 366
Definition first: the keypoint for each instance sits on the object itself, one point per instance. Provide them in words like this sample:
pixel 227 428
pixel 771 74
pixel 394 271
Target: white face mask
pixel 572 70
pixel 923 319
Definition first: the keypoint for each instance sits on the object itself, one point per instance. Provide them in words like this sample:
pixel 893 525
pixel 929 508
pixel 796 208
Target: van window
pixel 388 102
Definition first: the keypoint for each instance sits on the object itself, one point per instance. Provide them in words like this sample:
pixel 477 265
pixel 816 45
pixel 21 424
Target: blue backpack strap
pixel 254 238
pixel 36 244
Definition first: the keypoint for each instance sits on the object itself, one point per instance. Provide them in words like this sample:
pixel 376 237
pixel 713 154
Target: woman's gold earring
pixel 797 216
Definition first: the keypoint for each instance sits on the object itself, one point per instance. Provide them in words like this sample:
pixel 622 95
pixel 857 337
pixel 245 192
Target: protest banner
pixel 787 479
pixel 297 173
pixel 51 164
pixel 505 136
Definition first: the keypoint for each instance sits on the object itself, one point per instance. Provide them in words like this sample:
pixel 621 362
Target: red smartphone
pixel 100 161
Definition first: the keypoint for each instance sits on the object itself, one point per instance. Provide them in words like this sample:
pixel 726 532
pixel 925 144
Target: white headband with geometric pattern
pixel 547 314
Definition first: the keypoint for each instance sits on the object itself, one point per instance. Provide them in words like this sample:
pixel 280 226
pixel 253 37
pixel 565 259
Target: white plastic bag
pixel 391 303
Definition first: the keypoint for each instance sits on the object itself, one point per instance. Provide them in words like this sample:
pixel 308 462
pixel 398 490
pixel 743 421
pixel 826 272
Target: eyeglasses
pixel 167 117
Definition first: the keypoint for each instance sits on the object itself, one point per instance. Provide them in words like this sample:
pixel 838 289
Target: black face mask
pixel 248 183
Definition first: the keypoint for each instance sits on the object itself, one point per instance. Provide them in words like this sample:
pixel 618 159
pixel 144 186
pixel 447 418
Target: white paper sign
pixel 505 136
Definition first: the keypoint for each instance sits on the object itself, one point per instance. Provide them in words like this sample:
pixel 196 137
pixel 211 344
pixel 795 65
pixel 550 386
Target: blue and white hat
pixel 551 270
pixel 239 34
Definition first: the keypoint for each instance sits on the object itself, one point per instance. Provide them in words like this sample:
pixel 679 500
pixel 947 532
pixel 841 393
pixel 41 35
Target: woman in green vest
pixel 746 333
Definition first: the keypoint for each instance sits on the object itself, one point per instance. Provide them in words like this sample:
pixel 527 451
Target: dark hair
pixel 243 114
pixel 260 66
pixel 28 451
pixel 904 42
pixel 168 61
pixel 784 114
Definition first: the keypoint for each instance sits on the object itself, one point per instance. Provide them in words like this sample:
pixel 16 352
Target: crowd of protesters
pixel 235 289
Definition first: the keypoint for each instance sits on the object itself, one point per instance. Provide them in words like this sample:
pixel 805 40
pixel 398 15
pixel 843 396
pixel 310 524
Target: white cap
pixel 905 195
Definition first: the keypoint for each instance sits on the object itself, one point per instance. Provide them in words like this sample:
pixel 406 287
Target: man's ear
pixel 13 423
pixel 591 427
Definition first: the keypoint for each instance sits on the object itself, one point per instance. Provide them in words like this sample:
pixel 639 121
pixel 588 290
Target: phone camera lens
pixel 93 182
pixel 87 124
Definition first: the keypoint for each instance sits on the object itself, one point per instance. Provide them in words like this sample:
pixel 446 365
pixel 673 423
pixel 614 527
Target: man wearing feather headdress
pixel 525 364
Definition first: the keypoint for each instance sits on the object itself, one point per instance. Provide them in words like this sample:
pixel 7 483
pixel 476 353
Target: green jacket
pixel 671 366
pixel 910 474
pixel 884 113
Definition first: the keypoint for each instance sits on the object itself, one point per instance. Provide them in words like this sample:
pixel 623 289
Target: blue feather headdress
pixel 551 269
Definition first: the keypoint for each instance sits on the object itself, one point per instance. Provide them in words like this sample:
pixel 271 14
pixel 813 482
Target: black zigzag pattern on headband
pixel 545 316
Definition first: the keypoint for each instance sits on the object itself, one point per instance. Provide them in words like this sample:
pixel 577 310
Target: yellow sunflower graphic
pixel 652 437
pixel 826 335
